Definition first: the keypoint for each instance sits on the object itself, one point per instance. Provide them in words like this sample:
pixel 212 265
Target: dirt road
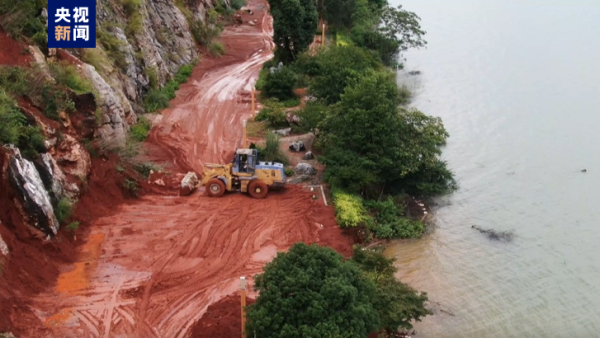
pixel 153 267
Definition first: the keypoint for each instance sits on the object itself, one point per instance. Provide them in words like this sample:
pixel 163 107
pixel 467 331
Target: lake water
pixel 517 84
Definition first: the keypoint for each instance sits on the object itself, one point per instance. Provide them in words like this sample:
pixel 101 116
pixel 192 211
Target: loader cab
pixel 245 161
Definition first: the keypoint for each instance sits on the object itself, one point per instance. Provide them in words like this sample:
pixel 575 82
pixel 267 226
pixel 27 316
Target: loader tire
pixel 258 189
pixel 215 188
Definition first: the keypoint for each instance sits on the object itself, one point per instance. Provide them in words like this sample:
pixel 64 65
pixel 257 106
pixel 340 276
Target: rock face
pixel 153 52
pixel 57 180
pixel 3 246
pixel 33 197
pixel 111 107
pixel 73 157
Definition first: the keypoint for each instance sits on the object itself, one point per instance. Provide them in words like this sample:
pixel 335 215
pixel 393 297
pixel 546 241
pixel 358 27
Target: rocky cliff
pixel 141 44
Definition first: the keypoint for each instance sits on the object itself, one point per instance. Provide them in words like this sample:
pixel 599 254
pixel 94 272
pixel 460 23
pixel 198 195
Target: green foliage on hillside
pixel 389 220
pixel 280 84
pixel 159 98
pixel 349 210
pixel 23 19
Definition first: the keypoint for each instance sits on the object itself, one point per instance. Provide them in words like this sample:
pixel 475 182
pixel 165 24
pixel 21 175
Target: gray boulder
pixel 297 146
pixel 283 132
pixel 28 185
pixel 304 169
pixel 308 156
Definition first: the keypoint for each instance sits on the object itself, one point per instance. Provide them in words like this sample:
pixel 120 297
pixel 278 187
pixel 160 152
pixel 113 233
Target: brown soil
pixel 151 267
pixel 222 319
pixel 12 52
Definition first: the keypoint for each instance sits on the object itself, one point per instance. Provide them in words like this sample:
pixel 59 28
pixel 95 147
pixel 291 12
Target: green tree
pixel 338 65
pixel 311 292
pixel 396 303
pixel 294 23
pixel 395 31
pixel 367 140
pixel 280 84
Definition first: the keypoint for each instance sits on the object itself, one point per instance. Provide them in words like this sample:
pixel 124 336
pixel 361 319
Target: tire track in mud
pixel 165 259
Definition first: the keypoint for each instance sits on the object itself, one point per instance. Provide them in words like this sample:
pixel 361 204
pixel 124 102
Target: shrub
pixel 140 130
pixel 273 113
pixel 144 168
pixel 237 4
pixel 288 172
pixel 390 221
pixel 63 210
pixel 67 75
pixel 349 210
pixel 131 186
pixel 22 18
pixel 291 102
pixel 152 73
pixel 155 100
pixel 311 115
pixel 73 226
pixel 11 120
pixel 260 83
pixel 216 49
pixel 271 151
pixel 280 84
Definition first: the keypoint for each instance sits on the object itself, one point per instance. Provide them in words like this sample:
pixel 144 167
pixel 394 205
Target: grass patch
pixel 157 99
pixel 256 129
pixel 216 49
pixel 73 226
pixel 22 18
pixel 140 130
pixel 288 172
pixel 63 210
pixel 67 75
pixel 131 187
pixel 272 151
pixel 113 47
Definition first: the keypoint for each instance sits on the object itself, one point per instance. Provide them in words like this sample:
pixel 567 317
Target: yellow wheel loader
pixel 245 173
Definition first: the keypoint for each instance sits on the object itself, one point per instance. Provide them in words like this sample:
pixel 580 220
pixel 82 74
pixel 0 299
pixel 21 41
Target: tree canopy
pixel 337 67
pixel 396 303
pixel 368 141
pixel 312 292
pixel 294 23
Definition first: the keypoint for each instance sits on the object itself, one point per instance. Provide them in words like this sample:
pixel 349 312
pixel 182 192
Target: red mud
pixel 12 52
pixel 151 267
pixel 222 319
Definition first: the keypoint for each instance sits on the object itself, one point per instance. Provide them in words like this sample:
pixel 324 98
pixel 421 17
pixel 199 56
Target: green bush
pixel 280 84
pixel 152 73
pixel 140 130
pixel 288 172
pixel 131 186
pixel 15 80
pixel 112 45
pixel 22 18
pixel 67 75
pixel 391 222
pixel 306 64
pixel 63 210
pixel 311 115
pixel 216 49
pixel 155 100
pixel 291 102
pixel 131 6
pixel 73 226
pixel 271 151
pixel 273 113
pixel 11 120
pixel 144 168
pixel 237 4
pixel 260 83
pixel 349 210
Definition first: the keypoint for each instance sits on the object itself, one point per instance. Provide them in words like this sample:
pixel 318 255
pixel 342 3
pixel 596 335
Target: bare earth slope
pixel 153 267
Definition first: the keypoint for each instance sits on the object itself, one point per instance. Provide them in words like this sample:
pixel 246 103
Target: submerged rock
pixel 25 179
